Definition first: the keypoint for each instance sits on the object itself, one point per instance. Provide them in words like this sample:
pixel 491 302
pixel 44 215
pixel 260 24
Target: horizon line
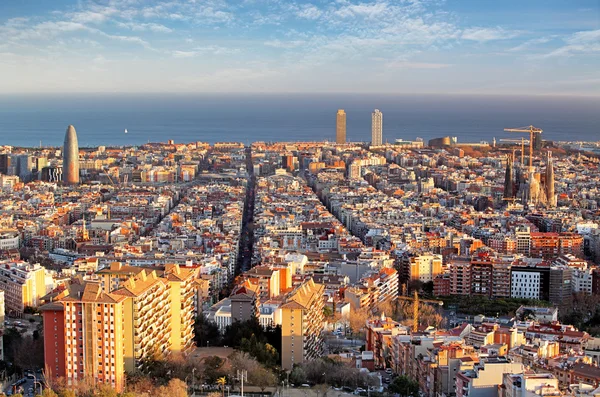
pixel 300 93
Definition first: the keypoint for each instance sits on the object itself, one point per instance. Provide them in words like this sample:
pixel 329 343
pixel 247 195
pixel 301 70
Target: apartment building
pixel 425 267
pixel 484 378
pixel 182 295
pixel 182 288
pixel 380 332
pixel 551 245
pixel 301 324
pixel 23 285
pixel 490 276
pixel 148 318
pixel 531 282
pixel 459 270
pixel 84 335
pixel 529 385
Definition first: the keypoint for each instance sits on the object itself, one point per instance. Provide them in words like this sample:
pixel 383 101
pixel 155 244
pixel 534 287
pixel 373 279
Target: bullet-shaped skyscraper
pixel 340 127
pixel 71 157
pixel 376 128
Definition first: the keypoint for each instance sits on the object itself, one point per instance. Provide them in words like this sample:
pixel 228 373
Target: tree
pixel 298 375
pixel 222 381
pixel 358 320
pixel 404 386
pixel 213 368
pixel 175 388
pixel 428 288
pixel 206 333
pixel 262 378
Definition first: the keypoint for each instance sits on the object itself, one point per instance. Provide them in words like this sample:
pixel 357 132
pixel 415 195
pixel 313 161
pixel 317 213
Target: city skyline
pixel 535 47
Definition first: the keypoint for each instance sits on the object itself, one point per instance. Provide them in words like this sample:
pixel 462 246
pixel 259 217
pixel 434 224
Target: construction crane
pixel 415 305
pixel 415 326
pixel 531 130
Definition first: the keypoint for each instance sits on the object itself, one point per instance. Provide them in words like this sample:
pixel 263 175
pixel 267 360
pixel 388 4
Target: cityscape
pixel 416 268
pixel 299 198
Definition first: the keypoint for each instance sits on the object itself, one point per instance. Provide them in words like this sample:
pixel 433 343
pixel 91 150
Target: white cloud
pixel 584 42
pixel 362 10
pixel 529 44
pixel 142 27
pixel 309 11
pixel 284 44
pixel 488 34
pixel 415 65
pixel 185 54
pixel 211 49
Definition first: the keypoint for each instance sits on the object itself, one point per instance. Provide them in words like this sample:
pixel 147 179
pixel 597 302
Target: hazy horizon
pixel 101 119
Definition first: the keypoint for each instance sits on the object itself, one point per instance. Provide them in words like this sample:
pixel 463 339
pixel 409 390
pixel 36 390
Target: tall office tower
pixel 71 157
pixel 537 141
pixel 5 162
pixel 550 182
pixel 340 127
pixel 376 127
pixel 508 179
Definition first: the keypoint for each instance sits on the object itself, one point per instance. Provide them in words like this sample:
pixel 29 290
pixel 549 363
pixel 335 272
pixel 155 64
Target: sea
pixel 101 119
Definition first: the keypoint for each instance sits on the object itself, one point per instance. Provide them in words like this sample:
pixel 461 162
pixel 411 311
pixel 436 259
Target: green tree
pixel 213 368
pixel 206 333
pixel 404 386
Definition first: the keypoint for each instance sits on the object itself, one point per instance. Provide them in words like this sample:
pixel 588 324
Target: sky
pixel 508 47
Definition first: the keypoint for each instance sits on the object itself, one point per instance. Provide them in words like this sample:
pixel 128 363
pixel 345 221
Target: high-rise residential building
pixel 84 335
pixel 71 157
pixel 376 127
pixel 301 324
pixel 340 127
pixel 23 285
pixel 150 313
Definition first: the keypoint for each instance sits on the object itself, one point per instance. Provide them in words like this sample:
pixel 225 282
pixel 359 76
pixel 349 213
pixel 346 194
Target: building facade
pixel 340 127
pixel 376 128
pixel 302 324
pixel 23 285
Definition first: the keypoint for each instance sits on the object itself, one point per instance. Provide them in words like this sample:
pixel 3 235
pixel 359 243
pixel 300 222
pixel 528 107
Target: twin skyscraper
pixel 376 127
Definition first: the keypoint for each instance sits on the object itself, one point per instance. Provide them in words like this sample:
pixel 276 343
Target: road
pixel 247 235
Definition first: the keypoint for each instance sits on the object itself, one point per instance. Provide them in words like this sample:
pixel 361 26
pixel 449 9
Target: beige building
pixel 147 318
pixel 376 128
pixel 301 324
pixel 425 267
pixel 182 296
pixel 340 127
pixel 23 285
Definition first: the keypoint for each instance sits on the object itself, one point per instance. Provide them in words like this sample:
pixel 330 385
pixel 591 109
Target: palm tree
pixel 222 381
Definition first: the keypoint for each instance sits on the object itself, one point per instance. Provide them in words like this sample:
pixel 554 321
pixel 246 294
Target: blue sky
pixel 545 47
